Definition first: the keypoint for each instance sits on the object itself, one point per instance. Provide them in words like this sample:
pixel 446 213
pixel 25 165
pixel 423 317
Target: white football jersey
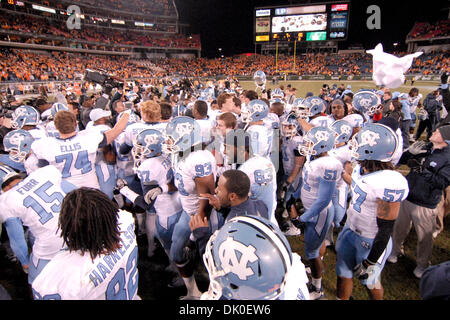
pixel 197 164
pixel 36 201
pixel 158 171
pixel 355 120
pixel 133 130
pixel 289 145
pixel 295 287
pixel 263 182
pixel 74 157
pixel 271 121
pixel 124 162
pixel 321 121
pixel 206 126
pixel 343 154
pixel 74 276
pixel 327 168
pixel 261 140
pixel 38 133
pixel 387 185
pixel 51 130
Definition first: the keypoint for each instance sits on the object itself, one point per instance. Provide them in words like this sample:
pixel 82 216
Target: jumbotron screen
pixel 318 22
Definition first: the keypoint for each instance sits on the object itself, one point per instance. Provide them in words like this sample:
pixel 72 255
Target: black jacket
pixel 249 207
pixel 431 105
pixel 429 176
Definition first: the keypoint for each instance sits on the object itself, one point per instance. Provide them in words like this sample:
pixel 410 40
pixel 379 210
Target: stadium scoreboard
pixel 317 22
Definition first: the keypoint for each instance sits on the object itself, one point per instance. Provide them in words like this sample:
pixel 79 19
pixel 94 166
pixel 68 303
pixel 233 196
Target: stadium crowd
pixel 210 169
pixel 20 65
pixel 425 30
pixel 41 29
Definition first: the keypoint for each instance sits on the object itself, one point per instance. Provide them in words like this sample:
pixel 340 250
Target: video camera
pixel 107 81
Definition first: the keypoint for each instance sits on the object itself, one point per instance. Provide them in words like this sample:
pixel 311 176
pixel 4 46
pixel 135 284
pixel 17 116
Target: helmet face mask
pixel 374 142
pixel 343 131
pixel 23 116
pixel 147 144
pixel 318 140
pixel 289 126
pixel 18 144
pixel 181 134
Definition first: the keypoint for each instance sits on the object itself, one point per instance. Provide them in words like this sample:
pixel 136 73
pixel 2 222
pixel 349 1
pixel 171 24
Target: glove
pixel 121 183
pixel 299 224
pixel 152 194
pixel 417 148
pixel 364 270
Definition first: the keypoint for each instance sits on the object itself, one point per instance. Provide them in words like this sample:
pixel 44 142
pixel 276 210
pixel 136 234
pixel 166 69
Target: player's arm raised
pixel 113 133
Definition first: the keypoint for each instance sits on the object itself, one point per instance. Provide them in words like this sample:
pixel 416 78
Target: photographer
pixel 427 180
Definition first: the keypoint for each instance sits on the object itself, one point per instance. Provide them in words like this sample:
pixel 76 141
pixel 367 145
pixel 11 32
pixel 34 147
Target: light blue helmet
pixel 23 116
pixel 313 105
pixel 256 110
pixel 260 78
pixel 58 106
pixel 367 102
pixel 18 144
pixel 181 134
pixel 247 259
pixel 147 144
pixel 277 93
pixel 374 142
pixel 317 141
pixel 298 109
pixel 6 173
pixel 343 130
pixel 289 126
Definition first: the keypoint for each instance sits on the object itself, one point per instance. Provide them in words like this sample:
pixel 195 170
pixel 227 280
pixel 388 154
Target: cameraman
pixel 428 178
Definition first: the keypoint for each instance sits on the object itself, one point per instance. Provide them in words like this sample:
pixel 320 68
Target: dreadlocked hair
pixel 88 222
pixel 375 165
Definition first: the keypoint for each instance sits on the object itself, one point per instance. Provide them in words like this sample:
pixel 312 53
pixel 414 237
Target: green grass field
pixel 314 86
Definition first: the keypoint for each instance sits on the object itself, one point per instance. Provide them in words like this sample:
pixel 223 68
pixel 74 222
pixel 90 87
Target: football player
pixel 18 145
pixel 194 173
pixel 154 170
pixel 74 153
pixel 27 118
pixel 319 176
pixel 249 258
pixel 101 259
pixel 292 165
pixel 310 113
pixel 33 201
pixel 365 242
pixel 261 138
pixel 50 125
pixel 260 170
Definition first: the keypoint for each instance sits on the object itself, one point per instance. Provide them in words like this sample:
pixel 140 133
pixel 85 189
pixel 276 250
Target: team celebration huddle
pixel 223 180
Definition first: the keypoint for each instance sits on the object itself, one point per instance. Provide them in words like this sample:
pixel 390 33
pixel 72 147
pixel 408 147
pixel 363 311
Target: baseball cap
pixel 395 95
pixel 98 113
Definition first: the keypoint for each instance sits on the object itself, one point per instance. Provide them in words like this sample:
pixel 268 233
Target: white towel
pixel 388 70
